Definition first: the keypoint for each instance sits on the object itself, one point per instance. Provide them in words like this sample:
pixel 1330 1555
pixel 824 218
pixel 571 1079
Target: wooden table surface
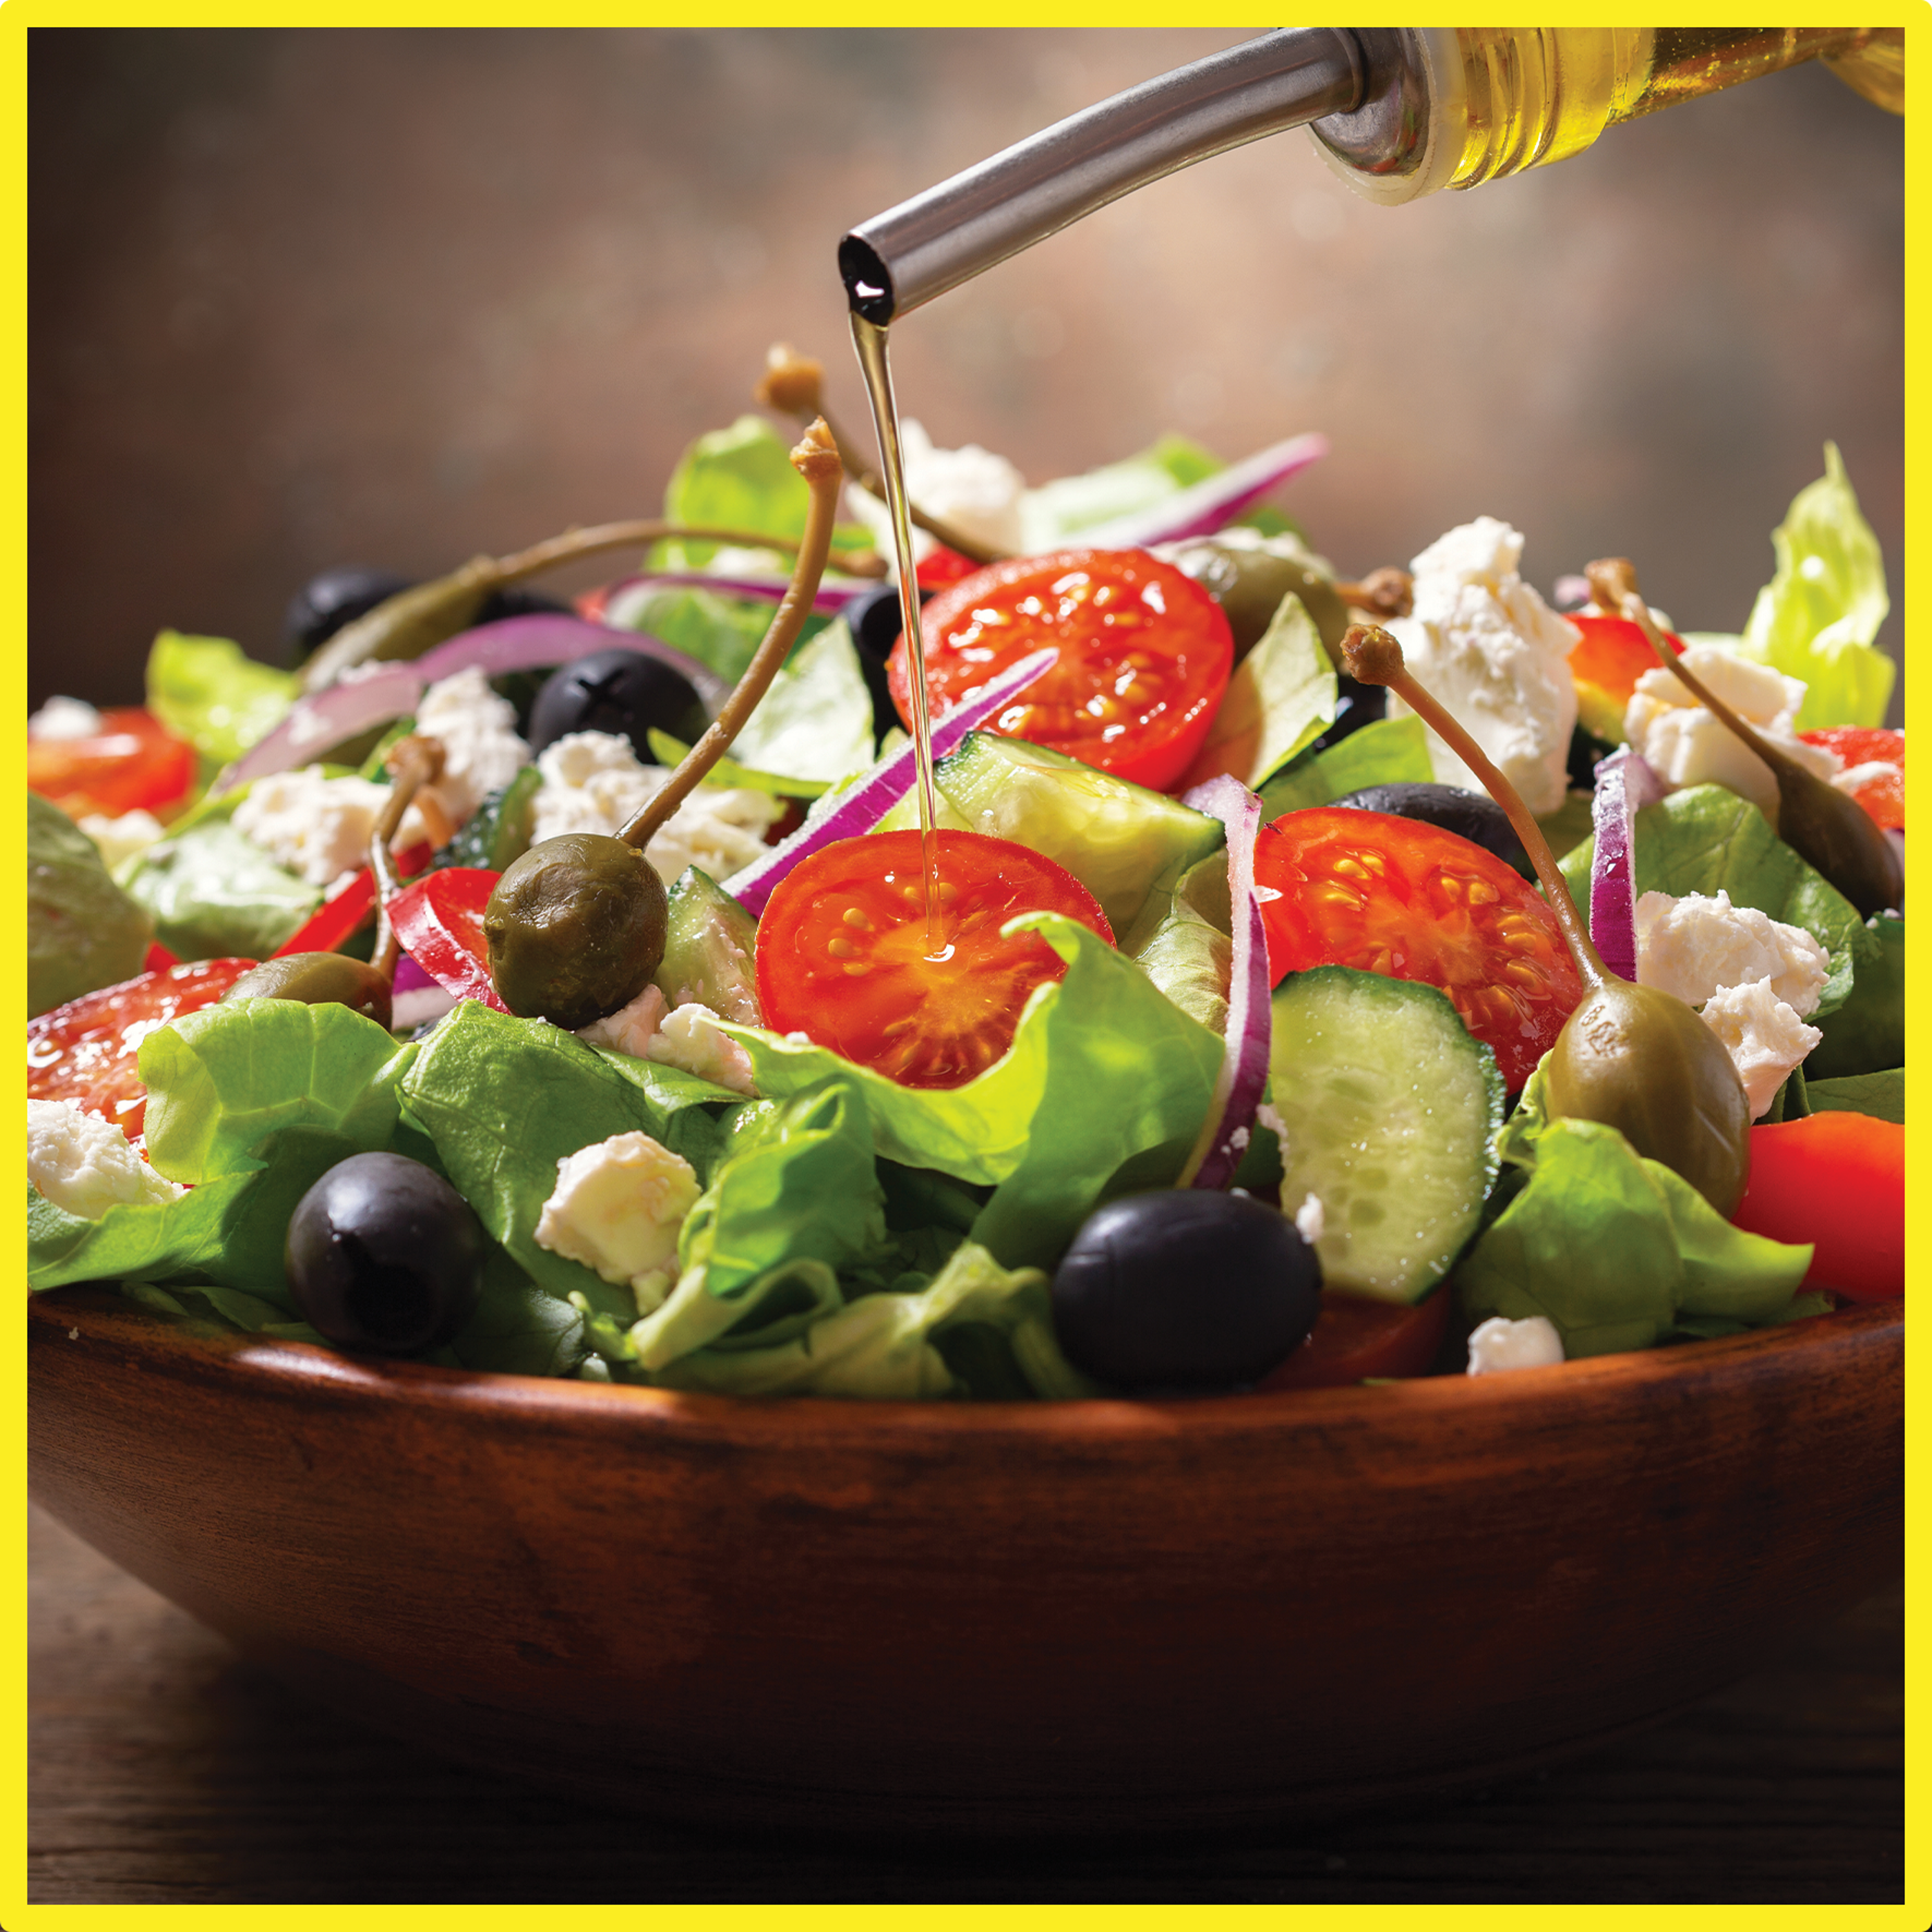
pixel 161 1768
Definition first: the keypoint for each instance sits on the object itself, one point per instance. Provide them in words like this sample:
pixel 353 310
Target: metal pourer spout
pixel 902 258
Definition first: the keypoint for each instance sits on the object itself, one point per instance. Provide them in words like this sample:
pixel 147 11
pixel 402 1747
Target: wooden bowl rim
pixel 1522 1399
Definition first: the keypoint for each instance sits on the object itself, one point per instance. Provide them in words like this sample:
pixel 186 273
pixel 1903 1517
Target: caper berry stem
pixel 414 762
pixel 1370 655
pixel 410 622
pixel 1820 822
pixel 793 384
pixel 816 459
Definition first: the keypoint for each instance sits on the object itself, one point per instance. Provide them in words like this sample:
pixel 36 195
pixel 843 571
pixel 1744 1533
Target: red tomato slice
pixel 842 952
pixel 439 921
pixel 1838 1181
pixel 1145 654
pixel 86 1050
pixel 1356 1336
pixel 940 566
pixel 133 763
pixel 1883 794
pixel 1396 896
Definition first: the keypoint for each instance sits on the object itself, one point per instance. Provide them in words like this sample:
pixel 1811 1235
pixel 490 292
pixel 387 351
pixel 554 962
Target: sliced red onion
pixel 830 599
pixel 882 787
pixel 1211 504
pixel 1612 867
pixel 554 637
pixel 1243 1079
pixel 317 724
pixel 409 977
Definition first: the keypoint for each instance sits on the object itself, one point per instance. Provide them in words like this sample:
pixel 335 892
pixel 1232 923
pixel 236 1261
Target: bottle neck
pixel 1453 106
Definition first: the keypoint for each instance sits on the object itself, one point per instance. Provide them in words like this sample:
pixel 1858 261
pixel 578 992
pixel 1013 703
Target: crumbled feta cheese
pixel 1484 643
pixel 64 717
pixel 592 782
pixel 617 1208
pixel 1752 977
pixel 1498 1344
pixel 1686 745
pixel 1765 1038
pixel 85 1164
pixel 630 1028
pixel 319 827
pixel 977 492
pixel 1693 946
pixel 690 1038
pixel 122 837
pixel 477 730
pixel 1310 1222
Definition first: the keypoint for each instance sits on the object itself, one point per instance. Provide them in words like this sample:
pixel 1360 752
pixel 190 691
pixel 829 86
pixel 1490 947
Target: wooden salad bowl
pixel 1042 1618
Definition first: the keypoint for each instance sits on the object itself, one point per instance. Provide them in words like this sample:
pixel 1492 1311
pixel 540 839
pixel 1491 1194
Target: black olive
pixel 1585 751
pixel 1473 815
pixel 331 599
pixel 1186 1291
pixel 518 600
pixel 875 621
pixel 620 691
pixel 383 1255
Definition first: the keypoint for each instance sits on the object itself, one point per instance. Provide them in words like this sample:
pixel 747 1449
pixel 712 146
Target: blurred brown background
pixel 305 298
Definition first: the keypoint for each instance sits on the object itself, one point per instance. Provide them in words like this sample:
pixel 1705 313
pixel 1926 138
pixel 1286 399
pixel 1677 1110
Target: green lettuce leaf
pixel 1390 750
pixel 1613 1248
pixel 1881 1095
pixel 1279 700
pixel 1705 837
pixel 503 1100
pixel 979 1331
pixel 214 894
pixel 1817 616
pixel 221 1080
pixel 208 691
pixel 83 932
pixel 180 1236
pixel 815 722
pixel 1867 1033
pixel 1102 1066
pixel 518 1329
pixel 1056 512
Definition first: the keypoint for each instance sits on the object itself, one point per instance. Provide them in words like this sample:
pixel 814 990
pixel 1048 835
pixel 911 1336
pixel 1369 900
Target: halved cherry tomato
pixel 1883 794
pixel 1357 1336
pixel 86 1050
pixel 132 763
pixel 1605 665
pixel 1145 654
pixel 339 915
pixel 842 952
pixel 439 921
pixel 940 566
pixel 1401 897
pixel 1838 1181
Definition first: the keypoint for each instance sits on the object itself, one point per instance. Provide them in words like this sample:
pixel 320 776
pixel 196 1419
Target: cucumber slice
pixel 709 939
pixel 1389 1112
pixel 1120 841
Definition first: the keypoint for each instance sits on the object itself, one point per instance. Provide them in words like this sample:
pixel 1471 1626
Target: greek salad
pixel 1241 1048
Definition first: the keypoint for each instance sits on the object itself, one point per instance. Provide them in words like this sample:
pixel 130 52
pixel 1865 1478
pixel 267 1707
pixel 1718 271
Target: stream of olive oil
pixel 870 340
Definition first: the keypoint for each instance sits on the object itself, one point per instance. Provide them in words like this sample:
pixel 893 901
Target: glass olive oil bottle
pixel 1453 106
